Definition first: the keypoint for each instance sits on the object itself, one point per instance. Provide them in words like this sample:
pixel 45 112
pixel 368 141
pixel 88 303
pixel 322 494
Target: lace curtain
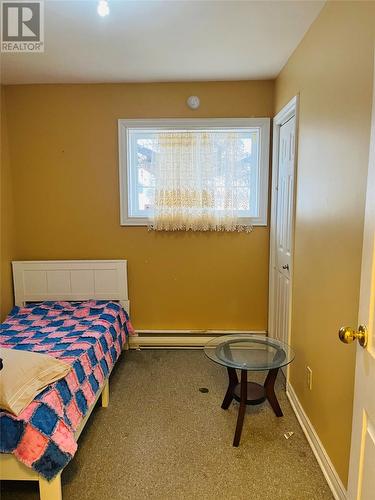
pixel 198 183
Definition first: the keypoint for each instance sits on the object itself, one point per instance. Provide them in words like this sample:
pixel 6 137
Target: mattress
pixel 89 336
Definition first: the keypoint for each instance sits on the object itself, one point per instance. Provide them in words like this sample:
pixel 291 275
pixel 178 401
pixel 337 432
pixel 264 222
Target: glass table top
pixel 249 352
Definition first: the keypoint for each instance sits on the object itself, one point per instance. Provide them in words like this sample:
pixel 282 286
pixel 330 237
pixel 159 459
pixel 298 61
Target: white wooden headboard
pixel 37 280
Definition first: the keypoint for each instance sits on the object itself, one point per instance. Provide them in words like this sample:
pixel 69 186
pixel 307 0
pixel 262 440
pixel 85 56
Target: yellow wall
pixel 332 70
pixel 6 218
pixel 64 158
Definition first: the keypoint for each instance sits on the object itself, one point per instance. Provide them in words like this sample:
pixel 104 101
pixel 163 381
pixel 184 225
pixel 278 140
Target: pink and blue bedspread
pixel 88 335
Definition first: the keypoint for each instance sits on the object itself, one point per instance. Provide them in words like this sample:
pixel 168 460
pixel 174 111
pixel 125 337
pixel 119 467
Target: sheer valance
pixel 200 181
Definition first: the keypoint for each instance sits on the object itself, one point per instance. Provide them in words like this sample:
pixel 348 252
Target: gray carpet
pixel 162 438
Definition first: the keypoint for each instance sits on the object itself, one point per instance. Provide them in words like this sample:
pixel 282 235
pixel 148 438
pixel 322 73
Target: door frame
pixel 288 111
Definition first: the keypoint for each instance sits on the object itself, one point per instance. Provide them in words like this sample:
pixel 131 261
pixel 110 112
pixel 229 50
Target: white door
pixel 362 456
pixel 282 225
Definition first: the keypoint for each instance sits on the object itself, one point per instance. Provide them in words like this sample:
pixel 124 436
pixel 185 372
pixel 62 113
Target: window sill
pixel 141 222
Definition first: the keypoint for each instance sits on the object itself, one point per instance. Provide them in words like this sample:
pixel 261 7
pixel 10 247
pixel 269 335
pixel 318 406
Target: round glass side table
pixel 249 353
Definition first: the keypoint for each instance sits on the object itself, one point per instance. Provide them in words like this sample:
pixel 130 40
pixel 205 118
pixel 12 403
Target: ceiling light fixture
pixel 103 8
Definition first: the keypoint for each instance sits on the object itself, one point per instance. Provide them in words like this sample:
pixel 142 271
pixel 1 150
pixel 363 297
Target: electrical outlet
pixel 309 377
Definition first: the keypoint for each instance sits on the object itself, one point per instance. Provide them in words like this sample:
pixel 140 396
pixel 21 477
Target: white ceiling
pixel 163 41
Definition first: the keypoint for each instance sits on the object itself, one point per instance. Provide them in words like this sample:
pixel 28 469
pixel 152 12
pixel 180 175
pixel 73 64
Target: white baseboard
pixel 180 339
pixel 332 478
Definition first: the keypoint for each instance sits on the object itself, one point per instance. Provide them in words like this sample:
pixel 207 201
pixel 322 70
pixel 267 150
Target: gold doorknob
pixel 348 335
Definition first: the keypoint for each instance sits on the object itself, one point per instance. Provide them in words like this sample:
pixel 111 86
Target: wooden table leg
pixel 269 386
pixel 233 381
pixel 242 408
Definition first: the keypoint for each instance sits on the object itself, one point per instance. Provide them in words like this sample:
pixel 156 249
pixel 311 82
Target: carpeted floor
pixel 162 438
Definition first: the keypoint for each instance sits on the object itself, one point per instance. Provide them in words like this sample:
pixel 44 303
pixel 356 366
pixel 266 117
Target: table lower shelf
pixel 256 393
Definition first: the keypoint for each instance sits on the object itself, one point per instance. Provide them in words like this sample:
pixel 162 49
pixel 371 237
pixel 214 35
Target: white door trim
pixel 288 111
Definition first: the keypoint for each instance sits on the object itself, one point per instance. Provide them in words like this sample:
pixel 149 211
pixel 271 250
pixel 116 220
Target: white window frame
pixel 263 124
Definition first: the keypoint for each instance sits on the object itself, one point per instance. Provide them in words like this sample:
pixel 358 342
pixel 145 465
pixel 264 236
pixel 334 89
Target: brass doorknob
pixel 348 335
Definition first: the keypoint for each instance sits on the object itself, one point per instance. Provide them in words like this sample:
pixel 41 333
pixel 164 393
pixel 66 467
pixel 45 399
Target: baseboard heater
pixel 180 339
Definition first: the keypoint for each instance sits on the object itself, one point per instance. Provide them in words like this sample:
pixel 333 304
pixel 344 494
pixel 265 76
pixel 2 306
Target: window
pixel 204 167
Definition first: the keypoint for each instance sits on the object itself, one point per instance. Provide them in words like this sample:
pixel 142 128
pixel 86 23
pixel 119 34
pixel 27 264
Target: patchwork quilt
pixel 88 335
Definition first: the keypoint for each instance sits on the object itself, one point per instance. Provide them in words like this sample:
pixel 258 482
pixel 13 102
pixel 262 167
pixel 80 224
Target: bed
pixel 76 311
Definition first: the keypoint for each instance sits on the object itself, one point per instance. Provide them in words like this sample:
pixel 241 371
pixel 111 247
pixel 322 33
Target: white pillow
pixel 24 375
